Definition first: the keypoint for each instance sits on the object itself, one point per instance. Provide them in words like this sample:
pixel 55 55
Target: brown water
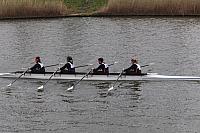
pixel 139 107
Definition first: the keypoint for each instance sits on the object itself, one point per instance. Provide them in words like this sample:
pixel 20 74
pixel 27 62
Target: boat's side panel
pixel 150 76
pixel 72 77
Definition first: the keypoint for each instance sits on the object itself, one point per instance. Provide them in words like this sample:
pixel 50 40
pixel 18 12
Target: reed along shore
pixel 58 8
pixel 49 8
pixel 152 7
pixel 32 8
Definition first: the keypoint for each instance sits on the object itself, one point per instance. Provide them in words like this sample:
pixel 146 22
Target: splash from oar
pixel 111 88
pixel 70 88
pixel 40 88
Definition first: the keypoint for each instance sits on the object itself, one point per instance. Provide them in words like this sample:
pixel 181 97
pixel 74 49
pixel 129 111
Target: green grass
pixel 85 6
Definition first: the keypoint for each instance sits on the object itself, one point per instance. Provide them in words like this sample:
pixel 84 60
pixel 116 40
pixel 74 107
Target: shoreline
pixel 92 15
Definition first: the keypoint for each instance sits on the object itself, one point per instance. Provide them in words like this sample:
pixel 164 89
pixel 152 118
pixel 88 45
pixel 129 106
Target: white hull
pixel 149 76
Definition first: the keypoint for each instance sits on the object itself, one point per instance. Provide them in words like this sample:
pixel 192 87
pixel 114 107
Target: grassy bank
pixel 152 7
pixel 85 6
pixel 32 8
pixel 53 8
pixel 48 8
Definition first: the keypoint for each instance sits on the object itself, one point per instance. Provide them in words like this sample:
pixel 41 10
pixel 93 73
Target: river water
pixel 172 44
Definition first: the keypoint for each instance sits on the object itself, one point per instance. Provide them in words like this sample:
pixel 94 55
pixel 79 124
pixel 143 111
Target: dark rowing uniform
pixel 68 68
pixel 134 69
pixel 38 68
pixel 102 69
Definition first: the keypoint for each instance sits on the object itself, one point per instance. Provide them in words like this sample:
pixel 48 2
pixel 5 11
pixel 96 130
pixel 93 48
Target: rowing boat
pixel 98 77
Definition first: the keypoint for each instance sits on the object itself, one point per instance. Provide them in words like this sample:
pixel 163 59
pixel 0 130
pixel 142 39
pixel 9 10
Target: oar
pixel 41 87
pixel 18 78
pixel 111 88
pixel 150 64
pixel 113 63
pixel 51 65
pixel 48 65
pixel 84 65
pixel 74 67
pixel 71 88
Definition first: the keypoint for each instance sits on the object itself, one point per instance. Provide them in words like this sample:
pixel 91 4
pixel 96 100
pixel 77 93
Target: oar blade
pixel 116 62
pixel 40 88
pixel 9 85
pixel 70 88
pixel 111 88
pixel 150 64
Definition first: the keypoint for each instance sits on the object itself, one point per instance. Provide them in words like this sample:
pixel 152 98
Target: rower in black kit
pixel 102 69
pixel 68 67
pixel 134 69
pixel 38 67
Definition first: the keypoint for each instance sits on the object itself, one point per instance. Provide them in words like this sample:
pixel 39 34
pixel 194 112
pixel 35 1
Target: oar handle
pixel 51 65
pixel 148 64
pixel 83 66
pixel 113 64
pixel 145 65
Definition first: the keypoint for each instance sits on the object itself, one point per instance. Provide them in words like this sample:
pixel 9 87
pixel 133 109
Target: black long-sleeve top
pixel 67 68
pixel 132 70
pixel 101 69
pixel 37 69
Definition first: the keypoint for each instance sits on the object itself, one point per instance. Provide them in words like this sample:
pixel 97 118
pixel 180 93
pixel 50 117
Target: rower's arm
pixel 62 68
pixel 101 67
pixel 66 66
pixel 35 67
pixel 128 69
pixel 133 68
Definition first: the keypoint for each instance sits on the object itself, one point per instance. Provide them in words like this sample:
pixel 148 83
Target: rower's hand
pixel 29 69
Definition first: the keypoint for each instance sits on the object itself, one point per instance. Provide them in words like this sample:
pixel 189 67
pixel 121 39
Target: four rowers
pixel 103 68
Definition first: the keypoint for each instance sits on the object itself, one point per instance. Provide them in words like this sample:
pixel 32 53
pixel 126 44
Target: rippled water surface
pixel 172 44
